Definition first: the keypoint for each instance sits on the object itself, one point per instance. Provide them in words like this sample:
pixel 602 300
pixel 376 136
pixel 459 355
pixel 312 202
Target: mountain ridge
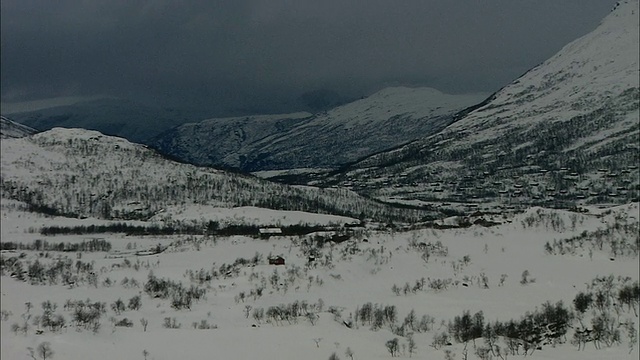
pixel 330 138
pixel 10 129
pixel 577 111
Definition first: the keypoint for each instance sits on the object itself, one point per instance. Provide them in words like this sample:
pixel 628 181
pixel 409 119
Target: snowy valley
pixel 503 230
pixel 545 284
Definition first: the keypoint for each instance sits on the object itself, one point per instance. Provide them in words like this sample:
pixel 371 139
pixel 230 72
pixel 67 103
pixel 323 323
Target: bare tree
pixel 317 341
pixel 45 351
pixel 312 317
pixel 144 322
pixel 449 355
pixel 349 353
pixel 393 346
pixel 32 353
pixel 412 346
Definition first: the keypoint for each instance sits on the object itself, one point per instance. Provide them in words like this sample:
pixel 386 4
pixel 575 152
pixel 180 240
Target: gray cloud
pixel 248 53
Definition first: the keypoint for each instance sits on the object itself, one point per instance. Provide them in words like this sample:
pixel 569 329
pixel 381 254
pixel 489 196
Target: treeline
pixel 211 228
pixel 120 228
pixel 607 297
pixel 621 239
pixel 59 271
pixel 290 313
pixel 547 326
pixel 90 245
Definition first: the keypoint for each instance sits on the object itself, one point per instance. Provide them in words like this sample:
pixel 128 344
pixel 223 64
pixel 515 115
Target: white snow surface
pixel 267 174
pixel 418 102
pixel 250 215
pixel 360 272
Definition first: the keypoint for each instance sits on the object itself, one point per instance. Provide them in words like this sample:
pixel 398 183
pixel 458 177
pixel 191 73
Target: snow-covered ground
pixel 250 215
pixel 274 173
pixel 344 275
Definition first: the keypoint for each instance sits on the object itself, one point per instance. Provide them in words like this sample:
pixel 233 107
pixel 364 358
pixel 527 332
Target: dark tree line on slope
pixel 58 271
pixel 90 245
pixel 183 228
pixel 620 239
pixel 85 315
pixel 547 326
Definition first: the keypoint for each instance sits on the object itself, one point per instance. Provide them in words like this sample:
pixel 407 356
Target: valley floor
pixel 503 271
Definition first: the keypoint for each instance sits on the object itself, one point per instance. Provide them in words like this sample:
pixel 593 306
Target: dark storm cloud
pixel 252 51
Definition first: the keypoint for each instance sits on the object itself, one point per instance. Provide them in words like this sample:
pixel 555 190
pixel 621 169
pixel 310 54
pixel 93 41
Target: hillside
pixel 10 129
pixel 226 142
pixel 85 173
pixel 388 118
pixel 565 132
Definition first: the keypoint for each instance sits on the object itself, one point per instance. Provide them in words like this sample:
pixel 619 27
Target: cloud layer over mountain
pixel 253 54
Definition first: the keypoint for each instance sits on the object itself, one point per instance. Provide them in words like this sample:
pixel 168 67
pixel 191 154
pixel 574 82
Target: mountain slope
pixel 225 142
pixel 10 129
pixel 84 173
pixel 576 113
pixel 344 134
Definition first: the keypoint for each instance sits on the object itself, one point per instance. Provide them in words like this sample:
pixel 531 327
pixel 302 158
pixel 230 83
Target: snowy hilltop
pixel 85 173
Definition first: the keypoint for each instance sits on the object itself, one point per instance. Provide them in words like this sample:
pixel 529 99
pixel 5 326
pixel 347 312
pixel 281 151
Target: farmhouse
pixel 276 260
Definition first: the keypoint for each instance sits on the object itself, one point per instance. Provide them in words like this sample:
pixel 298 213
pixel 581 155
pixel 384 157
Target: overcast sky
pixel 248 53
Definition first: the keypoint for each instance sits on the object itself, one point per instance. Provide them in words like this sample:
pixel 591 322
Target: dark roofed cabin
pixel 276 260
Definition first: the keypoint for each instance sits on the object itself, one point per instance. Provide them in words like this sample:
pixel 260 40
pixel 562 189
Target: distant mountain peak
pixel 328 139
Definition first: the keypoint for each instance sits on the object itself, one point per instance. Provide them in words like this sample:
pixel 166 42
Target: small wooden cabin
pixel 276 260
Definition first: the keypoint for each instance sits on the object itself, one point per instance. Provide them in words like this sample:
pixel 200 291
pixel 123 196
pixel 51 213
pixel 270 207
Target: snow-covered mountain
pixel 568 129
pixel 85 173
pixel 10 129
pixel 388 118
